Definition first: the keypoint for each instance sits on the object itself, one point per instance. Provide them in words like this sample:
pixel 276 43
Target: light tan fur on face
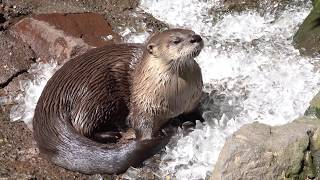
pixel 168 82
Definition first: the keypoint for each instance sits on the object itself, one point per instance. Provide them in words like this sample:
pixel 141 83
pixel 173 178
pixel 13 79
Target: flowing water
pixel 250 69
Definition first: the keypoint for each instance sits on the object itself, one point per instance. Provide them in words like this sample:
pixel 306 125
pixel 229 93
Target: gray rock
pixel 307 37
pixel 120 14
pixel 259 5
pixel 260 151
pixel 16 58
pixel 263 7
pixel 314 108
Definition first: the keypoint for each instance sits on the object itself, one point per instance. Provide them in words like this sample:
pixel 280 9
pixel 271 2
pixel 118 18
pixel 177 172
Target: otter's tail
pixel 68 149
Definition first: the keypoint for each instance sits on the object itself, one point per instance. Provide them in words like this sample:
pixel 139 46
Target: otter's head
pixel 175 45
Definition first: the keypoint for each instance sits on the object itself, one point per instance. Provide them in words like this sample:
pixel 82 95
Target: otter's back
pixel 86 89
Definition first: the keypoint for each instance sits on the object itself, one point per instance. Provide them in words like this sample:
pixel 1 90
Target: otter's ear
pixel 150 47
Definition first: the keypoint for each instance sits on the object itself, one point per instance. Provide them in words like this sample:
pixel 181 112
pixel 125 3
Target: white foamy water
pixel 251 70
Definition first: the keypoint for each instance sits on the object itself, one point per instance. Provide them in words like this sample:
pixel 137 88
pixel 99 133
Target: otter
pixel 111 89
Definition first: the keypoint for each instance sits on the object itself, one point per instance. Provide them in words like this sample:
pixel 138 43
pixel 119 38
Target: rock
pixel 308 36
pixel 259 5
pixel 120 14
pixel 283 152
pixel 269 7
pixel 9 95
pixel 90 27
pixel 16 58
pixel 20 159
pixel 18 153
pixel 314 108
pixel 240 5
pixel 2 18
pixel 11 14
pixel 72 6
pixel 62 36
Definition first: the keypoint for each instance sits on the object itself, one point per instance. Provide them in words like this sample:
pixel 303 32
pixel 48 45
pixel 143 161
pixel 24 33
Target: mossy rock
pixel 287 152
pixel 314 108
pixel 308 36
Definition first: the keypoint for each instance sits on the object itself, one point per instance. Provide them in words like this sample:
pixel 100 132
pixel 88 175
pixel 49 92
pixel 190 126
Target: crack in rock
pixel 3 85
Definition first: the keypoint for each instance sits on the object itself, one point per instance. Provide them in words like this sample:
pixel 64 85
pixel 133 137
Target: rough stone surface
pixel 283 152
pixel 12 91
pixel 314 108
pixel 2 18
pixel 10 14
pixel 308 36
pixel 240 5
pixel 259 5
pixel 16 58
pixel 120 14
pixel 19 157
pixel 62 36
pixel 90 27
pixel 269 7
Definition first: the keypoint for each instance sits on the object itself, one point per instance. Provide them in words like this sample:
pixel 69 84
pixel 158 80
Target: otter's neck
pixel 157 78
pixel 179 68
pixel 160 92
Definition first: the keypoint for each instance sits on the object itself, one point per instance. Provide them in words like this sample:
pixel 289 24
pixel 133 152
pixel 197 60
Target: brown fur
pixel 167 83
pixel 114 88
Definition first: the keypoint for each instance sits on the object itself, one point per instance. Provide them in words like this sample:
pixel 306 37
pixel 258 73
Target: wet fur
pixel 113 88
pixel 170 81
pixel 87 95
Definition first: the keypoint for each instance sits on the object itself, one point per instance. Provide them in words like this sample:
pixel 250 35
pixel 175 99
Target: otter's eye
pixel 177 40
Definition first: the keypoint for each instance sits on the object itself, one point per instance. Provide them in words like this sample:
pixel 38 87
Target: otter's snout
pixel 195 38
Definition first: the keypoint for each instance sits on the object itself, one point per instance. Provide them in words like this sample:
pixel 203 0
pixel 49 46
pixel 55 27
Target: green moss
pixel 314 108
pixel 308 36
pixel 315 149
pixel 303 155
pixel 303 169
pixel 297 156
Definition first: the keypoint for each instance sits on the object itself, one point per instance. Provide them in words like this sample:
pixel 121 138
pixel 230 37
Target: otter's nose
pixel 195 38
